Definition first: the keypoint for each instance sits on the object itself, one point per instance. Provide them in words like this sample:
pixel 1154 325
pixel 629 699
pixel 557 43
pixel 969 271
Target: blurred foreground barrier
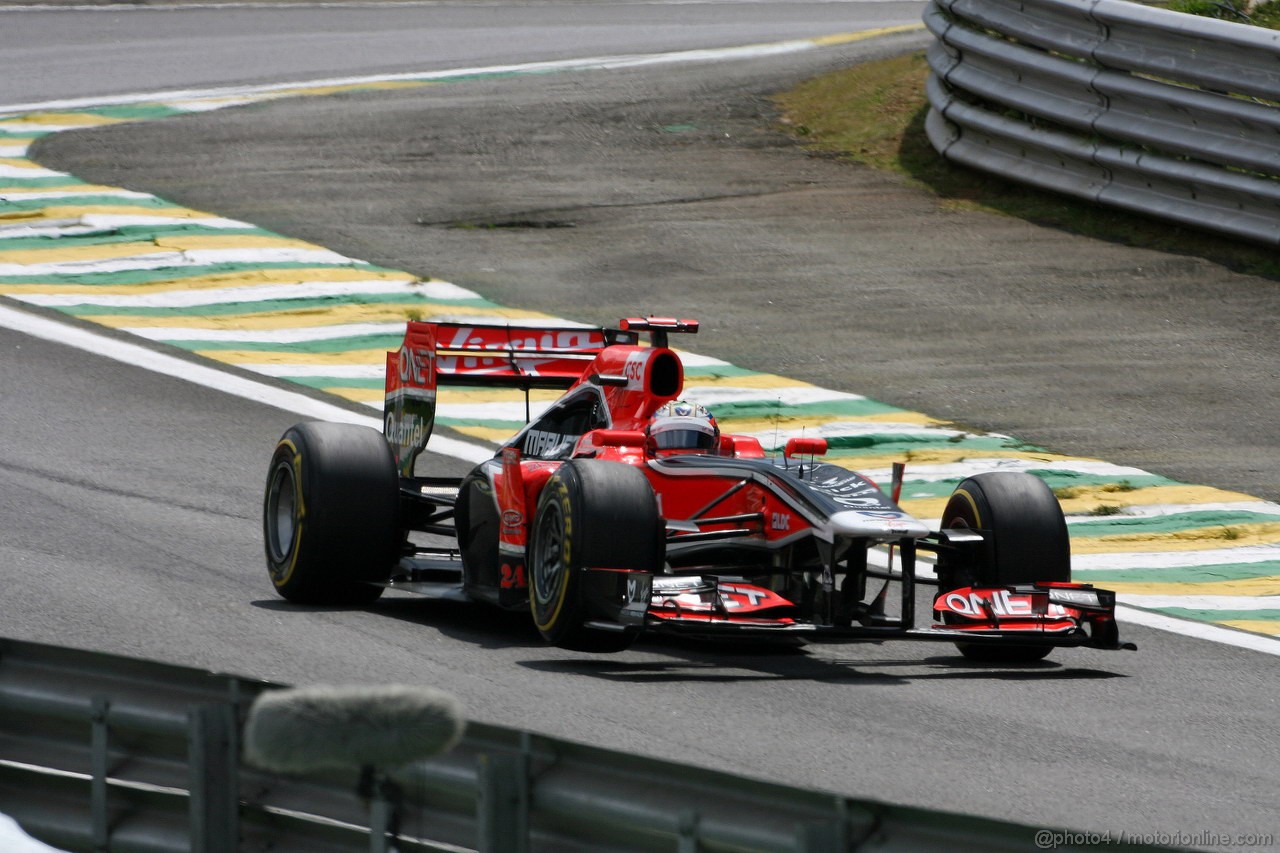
pixel 1153 111
pixel 105 753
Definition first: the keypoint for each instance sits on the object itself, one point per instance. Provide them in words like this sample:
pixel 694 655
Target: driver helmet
pixel 682 425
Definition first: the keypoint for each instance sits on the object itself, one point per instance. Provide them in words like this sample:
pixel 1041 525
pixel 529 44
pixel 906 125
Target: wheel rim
pixel 282 522
pixel 548 567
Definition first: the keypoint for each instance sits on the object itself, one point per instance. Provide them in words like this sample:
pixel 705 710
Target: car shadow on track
pixel 720 662
pixel 658 659
pixel 475 624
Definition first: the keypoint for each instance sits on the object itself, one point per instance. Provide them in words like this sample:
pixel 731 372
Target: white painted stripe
pixel 1203 602
pixel 954 470
pixel 273 336
pixel 302 371
pixel 1175 559
pixel 12 195
pixel 210 377
pixel 515 412
pixel 429 290
pixel 14 150
pixel 841 429
pixel 1199 630
pixel 209 105
pixel 713 395
pixel 161 260
pixel 105 223
pixel 284 89
pixel 32 171
pixel 1161 510
pixel 692 359
pixel 494 320
pixel 511 412
pixel 30 128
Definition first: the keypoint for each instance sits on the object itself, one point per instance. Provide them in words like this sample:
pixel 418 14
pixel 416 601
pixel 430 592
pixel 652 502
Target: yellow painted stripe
pixel 73 211
pixel 494 436
pixel 358 395
pixel 1151 496
pixel 352 87
pixel 19 163
pixel 239 278
pixel 923 507
pixel 761 425
pixel 1194 539
pixel 184 243
pixel 458 397
pixel 75 119
pixel 417 309
pixel 936 455
pixel 752 380
pixel 1247 586
pixel 846 38
pixel 364 356
pixel 1087 500
pixel 1257 626
pixel 72 186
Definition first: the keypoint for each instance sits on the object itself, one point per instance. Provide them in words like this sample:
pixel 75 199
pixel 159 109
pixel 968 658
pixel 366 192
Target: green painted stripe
pixel 888 442
pixel 1182 574
pixel 88 200
pixel 331 383
pixel 1223 615
pixel 176 273
pixel 135 112
pixel 1110 525
pixel 716 371
pixel 512 426
pixel 1055 479
pixel 412 303
pixel 51 181
pixel 766 409
pixel 898 443
pixel 126 234
pixel 358 342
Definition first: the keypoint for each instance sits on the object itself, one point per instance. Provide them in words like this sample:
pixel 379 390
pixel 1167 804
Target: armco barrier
pixel 1153 111
pixel 105 753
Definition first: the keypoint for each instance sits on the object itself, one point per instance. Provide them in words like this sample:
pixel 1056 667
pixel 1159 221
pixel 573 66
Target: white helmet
pixel 681 425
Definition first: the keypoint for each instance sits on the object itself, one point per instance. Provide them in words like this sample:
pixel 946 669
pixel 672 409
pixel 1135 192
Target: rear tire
pixel 1027 541
pixel 591 513
pixel 331 514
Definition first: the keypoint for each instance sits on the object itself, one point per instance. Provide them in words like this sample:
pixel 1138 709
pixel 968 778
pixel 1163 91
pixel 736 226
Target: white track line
pixel 237 386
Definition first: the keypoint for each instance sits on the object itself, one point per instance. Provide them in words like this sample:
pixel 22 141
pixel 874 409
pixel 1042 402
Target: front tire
pixel 1026 541
pixel 591 514
pixel 331 514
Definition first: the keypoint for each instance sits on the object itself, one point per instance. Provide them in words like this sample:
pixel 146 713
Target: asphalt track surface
pixel 130 500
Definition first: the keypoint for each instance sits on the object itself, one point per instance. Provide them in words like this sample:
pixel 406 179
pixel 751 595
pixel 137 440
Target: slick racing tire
pixel 597 514
pixel 1027 541
pixel 331 514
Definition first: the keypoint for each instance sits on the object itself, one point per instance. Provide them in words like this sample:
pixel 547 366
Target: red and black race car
pixel 622 508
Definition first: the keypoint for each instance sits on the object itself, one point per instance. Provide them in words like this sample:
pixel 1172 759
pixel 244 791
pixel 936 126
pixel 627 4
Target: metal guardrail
pixel 1157 112
pixel 105 753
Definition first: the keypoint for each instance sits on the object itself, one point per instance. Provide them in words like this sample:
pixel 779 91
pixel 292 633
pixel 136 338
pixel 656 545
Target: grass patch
pixel 1064 493
pixel 874 114
pixel 1265 15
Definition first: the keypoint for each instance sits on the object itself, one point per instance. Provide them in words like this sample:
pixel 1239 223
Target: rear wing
pixel 511 356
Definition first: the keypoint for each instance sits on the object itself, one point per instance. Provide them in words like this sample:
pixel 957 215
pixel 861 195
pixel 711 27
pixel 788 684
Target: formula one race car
pixel 622 508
